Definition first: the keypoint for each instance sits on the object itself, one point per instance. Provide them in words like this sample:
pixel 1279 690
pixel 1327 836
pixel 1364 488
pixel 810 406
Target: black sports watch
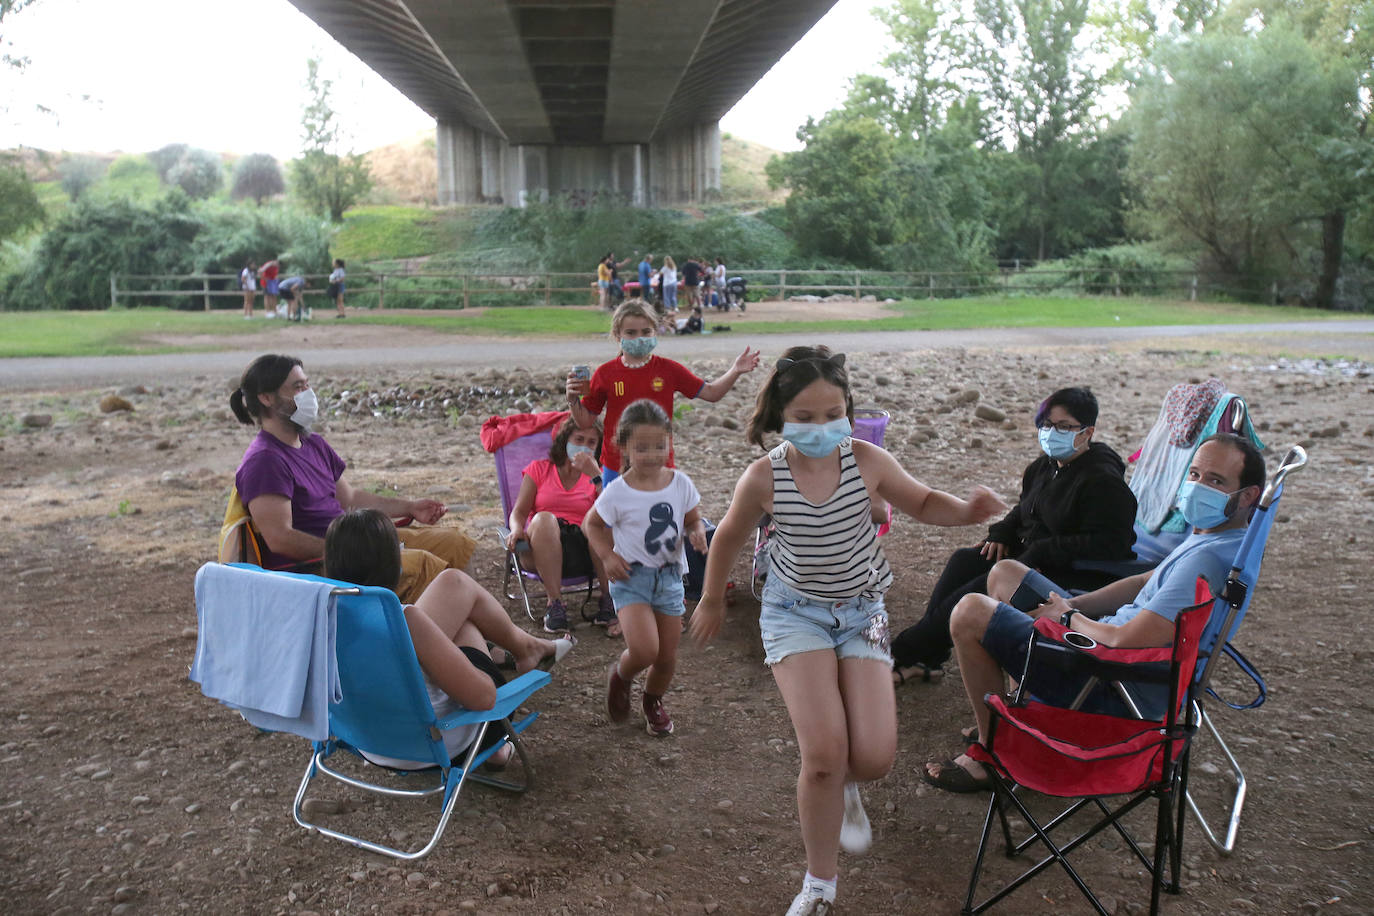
pixel 1066 618
pixel 596 481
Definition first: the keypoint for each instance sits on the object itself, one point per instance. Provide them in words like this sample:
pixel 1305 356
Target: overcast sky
pixel 135 75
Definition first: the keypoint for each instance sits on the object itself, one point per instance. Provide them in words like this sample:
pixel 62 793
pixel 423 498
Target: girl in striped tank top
pixel 823 622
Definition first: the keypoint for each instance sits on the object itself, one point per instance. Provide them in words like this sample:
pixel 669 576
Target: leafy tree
pixel 9 8
pixel 19 205
pixel 78 173
pixel 166 158
pixel 325 179
pixel 199 173
pixel 1028 60
pixel 1245 145
pixel 257 176
pixel 841 204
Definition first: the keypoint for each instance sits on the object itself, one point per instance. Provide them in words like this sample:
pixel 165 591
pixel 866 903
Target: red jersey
pixel 615 387
pixel 270 272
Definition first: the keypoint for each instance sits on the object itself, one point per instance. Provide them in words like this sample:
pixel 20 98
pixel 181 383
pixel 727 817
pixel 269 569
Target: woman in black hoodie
pixel 1074 505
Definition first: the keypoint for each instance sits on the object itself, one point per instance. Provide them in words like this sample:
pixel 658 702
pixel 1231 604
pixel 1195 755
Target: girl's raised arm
pixel 753 496
pixel 931 507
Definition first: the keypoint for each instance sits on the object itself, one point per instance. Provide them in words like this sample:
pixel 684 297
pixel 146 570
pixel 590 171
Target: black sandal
pixel 954 778
pixel 927 674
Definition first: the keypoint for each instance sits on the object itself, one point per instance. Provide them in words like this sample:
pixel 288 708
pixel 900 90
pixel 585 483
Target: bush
pixel 1134 269
pixel 165 158
pixel 19 205
pixel 72 267
pixel 79 173
pixel 257 176
pixel 199 173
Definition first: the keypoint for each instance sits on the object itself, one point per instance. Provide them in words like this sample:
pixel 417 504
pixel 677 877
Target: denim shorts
pixel 793 621
pixel 660 587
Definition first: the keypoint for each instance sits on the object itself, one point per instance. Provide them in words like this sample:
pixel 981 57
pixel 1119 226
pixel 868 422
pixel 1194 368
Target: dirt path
pixel 127 791
pixel 341 348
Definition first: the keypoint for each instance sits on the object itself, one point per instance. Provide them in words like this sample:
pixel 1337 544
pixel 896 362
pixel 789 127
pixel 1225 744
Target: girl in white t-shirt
pixel 248 282
pixel 637 527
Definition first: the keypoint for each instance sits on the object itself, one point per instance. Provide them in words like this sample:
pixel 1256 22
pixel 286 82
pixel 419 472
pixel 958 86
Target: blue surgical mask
pixel 638 346
pixel 816 440
pixel 1205 507
pixel 575 450
pixel 1058 444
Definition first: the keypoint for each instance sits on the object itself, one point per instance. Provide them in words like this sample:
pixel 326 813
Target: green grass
pixel 1056 312
pixel 370 233
pixel 153 330
pixel 113 332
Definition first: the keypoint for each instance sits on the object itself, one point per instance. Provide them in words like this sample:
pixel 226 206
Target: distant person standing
pixel 646 278
pixel 268 274
pixel 667 279
pixel 335 290
pixel 248 282
pixel 691 279
pixel 718 283
pixel 603 281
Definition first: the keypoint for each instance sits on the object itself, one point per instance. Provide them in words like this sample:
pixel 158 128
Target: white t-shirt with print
pixel 646 525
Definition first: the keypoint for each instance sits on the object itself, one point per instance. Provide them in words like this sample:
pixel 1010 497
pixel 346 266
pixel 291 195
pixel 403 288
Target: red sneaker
pixel 656 719
pixel 617 694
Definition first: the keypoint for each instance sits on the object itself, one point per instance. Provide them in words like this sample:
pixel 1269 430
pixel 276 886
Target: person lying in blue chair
pixel 449 625
pixel 991 632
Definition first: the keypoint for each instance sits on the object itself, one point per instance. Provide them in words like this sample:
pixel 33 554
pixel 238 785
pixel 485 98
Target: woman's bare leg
pixel 470 616
pixel 547 550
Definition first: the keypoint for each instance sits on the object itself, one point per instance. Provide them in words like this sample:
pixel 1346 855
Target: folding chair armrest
pixel 503 533
pixel 1119 568
pixel 509 698
pixel 1107 655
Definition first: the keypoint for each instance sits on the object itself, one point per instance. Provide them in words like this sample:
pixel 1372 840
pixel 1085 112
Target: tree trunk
pixel 1333 244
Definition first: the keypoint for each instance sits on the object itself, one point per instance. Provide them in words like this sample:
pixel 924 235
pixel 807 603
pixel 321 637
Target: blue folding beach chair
pixel 1227 613
pixel 385 710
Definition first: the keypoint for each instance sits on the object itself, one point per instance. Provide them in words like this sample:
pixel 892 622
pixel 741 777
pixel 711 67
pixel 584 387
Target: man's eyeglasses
pixel 1062 427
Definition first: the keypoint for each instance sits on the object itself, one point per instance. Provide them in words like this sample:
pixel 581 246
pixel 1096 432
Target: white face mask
pixel 307 409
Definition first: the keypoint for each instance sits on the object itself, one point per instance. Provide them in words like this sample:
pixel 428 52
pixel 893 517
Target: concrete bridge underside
pixel 541 97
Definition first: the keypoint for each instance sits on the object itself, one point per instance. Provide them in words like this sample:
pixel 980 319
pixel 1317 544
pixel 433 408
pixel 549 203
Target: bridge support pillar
pixel 681 167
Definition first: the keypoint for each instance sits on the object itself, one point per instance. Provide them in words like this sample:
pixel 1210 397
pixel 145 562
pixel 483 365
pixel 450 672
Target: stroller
pixel 736 293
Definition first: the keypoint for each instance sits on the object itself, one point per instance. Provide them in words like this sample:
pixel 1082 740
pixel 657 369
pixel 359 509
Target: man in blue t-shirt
pixel 991 632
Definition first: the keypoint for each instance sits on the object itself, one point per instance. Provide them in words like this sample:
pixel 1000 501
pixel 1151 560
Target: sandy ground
pixel 125 790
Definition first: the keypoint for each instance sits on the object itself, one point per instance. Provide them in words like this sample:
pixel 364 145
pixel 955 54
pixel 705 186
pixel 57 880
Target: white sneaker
pixel 856 835
pixel 811 902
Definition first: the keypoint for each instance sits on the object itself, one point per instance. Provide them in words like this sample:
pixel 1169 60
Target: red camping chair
pixel 1090 756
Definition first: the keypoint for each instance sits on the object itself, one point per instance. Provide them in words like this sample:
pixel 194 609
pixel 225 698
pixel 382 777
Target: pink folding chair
pixel 511 461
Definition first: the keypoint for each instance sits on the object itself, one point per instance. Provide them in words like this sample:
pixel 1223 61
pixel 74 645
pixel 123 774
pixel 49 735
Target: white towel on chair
pixel 265 646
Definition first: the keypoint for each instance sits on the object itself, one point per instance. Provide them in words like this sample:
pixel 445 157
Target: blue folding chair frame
pixel 1227 615
pixel 386 710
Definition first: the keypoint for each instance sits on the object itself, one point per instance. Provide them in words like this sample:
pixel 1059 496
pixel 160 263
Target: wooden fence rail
pixel 422 289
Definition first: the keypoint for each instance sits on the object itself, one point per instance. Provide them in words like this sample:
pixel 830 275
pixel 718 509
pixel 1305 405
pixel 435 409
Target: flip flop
pixel 927 674
pixel 954 778
pixel 613 631
pixel 969 736
pixel 561 647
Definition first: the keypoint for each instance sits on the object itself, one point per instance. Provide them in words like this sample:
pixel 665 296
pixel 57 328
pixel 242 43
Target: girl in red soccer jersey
pixel 637 374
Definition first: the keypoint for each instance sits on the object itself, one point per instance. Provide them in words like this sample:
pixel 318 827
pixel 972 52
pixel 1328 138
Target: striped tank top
pixel 829 550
